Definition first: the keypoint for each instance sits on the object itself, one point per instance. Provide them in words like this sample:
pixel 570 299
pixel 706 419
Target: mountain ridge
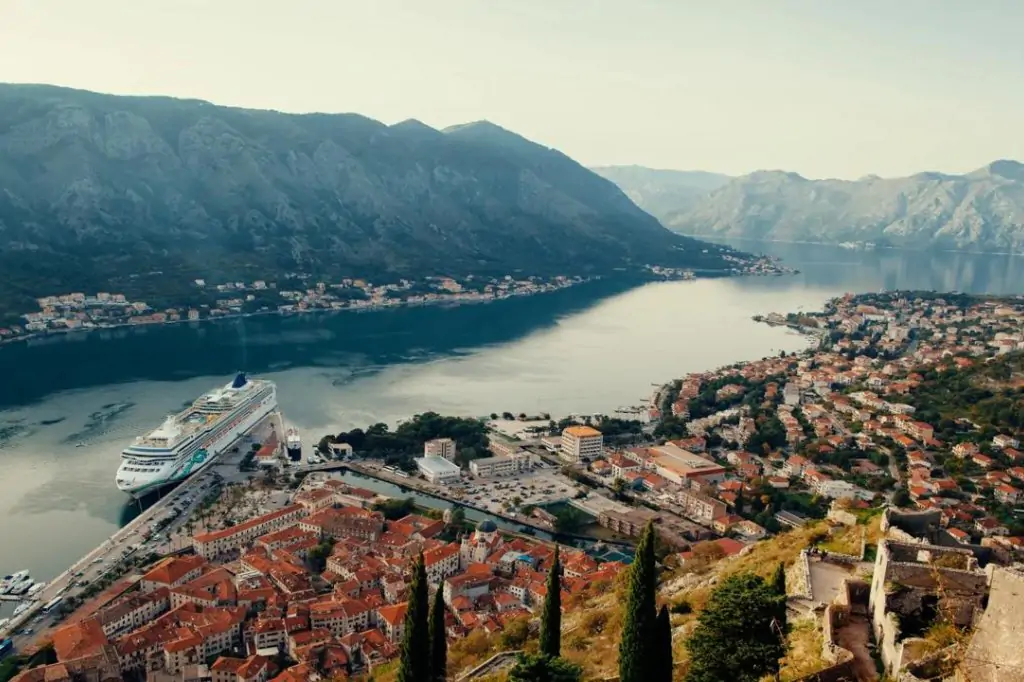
pixel 662 192
pixel 981 210
pixel 104 191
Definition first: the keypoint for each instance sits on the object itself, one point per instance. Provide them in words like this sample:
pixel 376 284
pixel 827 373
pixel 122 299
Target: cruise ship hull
pixel 167 470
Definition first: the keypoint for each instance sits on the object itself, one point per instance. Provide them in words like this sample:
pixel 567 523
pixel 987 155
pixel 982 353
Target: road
pixel 101 560
pixel 176 506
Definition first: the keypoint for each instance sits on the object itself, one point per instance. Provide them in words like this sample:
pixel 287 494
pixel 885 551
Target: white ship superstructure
pixel 188 441
pixel 293 443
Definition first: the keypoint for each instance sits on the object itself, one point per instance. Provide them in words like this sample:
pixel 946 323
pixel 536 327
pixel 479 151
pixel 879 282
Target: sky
pixel 823 88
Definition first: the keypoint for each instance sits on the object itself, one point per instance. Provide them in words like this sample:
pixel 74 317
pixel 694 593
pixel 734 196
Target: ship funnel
pixel 239 380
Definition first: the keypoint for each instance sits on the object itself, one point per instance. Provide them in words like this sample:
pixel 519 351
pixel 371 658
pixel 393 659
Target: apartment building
pixel 501 465
pixel 700 508
pixel 172 572
pixel 256 668
pixel 440 447
pixel 244 534
pixel 344 522
pixel 581 442
pixel 441 562
pixel 133 611
pixel 391 620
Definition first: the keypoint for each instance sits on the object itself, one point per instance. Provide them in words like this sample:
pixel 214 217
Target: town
pixel 75 311
pixel 298 293
pixel 907 402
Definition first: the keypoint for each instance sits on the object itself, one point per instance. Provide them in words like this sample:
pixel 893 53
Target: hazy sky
pixel 837 88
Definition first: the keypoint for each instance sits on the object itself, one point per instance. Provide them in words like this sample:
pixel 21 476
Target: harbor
pixel 161 510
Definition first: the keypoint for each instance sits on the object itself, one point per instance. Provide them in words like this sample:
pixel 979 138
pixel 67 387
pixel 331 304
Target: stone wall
pixel 911 526
pixel 908 584
pixel 836 615
pixel 840 515
pixel 995 653
pixel 799 580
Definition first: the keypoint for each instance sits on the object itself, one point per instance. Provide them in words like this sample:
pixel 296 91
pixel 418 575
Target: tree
pixel 738 635
pixel 901 498
pixel 415 663
pixel 438 639
pixel 664 671
pixel 515 634
pixel 779 579
pixel 551 617
pixel 637 648
pixel 779 585
pixel 541 668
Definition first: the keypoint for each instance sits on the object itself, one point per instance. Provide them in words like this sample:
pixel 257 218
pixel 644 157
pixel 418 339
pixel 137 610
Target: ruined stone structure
pixel 925 527
pixel 912 526
pixel 996 652
pixel 916 585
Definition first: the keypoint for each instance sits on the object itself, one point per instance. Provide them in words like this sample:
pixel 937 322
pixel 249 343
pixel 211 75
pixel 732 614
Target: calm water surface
pixel 588 349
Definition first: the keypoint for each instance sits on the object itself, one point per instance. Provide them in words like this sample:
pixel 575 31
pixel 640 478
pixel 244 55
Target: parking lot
pixel 502 494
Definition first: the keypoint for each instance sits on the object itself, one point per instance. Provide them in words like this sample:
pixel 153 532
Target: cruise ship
pixel 190 440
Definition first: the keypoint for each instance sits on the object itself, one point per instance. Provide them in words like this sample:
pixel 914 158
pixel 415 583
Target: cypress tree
pixel 415 664
pixel 779 585
pixel 438 642
pixel 779 579
pixel 638 647
pixel 664 646
pixel 551 618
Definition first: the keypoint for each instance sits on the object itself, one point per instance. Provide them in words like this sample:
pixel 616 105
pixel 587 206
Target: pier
pixel 108 554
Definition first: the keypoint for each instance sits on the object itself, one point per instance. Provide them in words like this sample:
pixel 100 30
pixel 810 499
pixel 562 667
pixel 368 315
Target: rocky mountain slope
pixel 107 192
pixel 982 210
pixel 663 192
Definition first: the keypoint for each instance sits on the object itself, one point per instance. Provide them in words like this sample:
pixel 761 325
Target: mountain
pixel 143 194
pixel 982 210
pixel 662 192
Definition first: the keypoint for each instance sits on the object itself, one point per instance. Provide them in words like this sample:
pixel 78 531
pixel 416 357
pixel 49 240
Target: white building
pixel 440 447
pixel 438 470
pixel 503 465
pixel 579 442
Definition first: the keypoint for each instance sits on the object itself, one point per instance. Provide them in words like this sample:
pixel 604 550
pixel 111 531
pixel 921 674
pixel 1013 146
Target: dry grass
pixel 592 624
pixel 761 560
pixel 593 631
pixel 803 655
pixel 844 540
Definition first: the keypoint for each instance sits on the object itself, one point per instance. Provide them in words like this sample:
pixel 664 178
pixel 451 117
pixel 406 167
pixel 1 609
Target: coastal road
pixel 98 562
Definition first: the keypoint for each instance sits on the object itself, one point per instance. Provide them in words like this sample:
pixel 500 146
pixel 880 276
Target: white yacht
pixel 189 441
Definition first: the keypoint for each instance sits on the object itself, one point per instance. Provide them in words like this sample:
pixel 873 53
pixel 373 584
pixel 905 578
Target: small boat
pixel 21 588
pixel 36 588
pixel 79 444
pixel 11 582
pixel 22 608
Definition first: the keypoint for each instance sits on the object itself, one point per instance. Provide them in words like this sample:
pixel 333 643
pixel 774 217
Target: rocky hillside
pixel 106 192
pixel 663 192
pixel 982 210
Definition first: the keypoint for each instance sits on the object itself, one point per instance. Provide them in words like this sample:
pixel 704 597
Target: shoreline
pixel 449 301
pixel 35 336
pixel 859 248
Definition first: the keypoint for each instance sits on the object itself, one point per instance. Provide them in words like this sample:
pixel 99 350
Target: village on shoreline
pixel 905 400
pixel 297 293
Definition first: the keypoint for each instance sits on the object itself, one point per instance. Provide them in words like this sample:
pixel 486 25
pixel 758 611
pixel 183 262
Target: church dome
pixel 486 526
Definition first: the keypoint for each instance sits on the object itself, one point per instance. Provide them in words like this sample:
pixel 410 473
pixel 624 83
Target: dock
pixel 132 533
